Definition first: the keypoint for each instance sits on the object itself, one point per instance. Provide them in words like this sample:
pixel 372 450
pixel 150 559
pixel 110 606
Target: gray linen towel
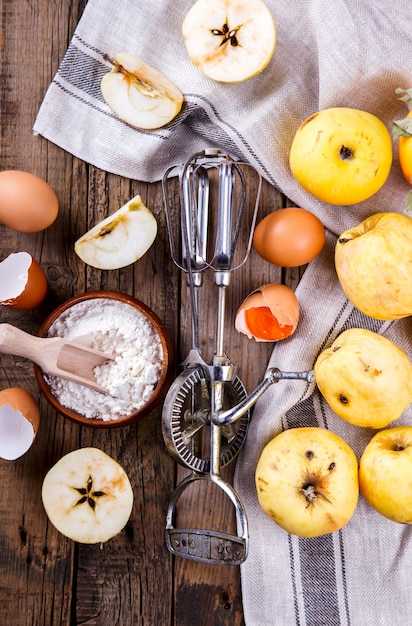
pixel 343 53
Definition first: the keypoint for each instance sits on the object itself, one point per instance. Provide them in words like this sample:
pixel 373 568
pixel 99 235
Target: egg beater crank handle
pixel 272 375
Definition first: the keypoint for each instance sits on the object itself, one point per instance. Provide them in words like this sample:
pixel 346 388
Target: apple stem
pixel 311 494
pixel 108 58
pixel 345 153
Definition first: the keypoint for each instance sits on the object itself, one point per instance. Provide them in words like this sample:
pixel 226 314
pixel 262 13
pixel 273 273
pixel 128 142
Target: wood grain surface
pixel 45 578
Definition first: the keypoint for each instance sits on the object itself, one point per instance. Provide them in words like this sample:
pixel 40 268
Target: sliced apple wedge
pixel 229 40
pixel 120 239
pixel 139 94
pixel 87 496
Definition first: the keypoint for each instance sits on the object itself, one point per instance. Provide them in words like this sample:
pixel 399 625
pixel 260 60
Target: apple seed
pixel 88 495
pixel 226 34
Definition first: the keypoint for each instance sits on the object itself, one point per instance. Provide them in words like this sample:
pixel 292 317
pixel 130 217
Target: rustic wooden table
pixel 45 578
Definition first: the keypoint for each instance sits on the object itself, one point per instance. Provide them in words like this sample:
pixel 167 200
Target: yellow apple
pixel 139 94
pixel 385 473
pixel 341 155
pixel 365 378
pixel 373 262
pixel 87 496
pixel 229 41
pixel 307 481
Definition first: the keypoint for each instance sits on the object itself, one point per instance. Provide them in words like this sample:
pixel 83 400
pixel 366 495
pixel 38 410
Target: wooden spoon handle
pixel 18 342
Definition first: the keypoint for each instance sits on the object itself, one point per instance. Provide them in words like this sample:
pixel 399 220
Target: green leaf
pixel 409 202
pixel 407 96
pixel 402 128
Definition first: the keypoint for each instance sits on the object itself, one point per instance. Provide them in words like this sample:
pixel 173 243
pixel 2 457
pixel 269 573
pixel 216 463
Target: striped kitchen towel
pixel 344 53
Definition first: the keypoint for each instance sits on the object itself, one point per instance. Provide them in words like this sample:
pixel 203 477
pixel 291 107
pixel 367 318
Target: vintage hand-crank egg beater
pixel 207 403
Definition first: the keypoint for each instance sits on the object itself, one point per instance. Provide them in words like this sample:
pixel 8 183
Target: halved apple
pixel 120 239
pixel 229 41
pixel 87 496
pixel 139 94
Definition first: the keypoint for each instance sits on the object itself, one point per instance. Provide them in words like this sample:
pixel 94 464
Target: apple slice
pixel 139 94
pixel 229 41
pixel 120 239
pixel 87 496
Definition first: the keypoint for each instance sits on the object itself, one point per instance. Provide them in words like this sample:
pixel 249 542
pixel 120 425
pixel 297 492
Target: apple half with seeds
pixel 229 40
pixel 120 239
pixel 139 94
pixel 87 496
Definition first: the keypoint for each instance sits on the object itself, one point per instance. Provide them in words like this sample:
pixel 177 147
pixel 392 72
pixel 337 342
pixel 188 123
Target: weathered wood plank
pixel 36 562
pixel 44 577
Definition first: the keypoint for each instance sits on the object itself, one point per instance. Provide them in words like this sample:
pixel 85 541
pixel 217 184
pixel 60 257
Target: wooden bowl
pixel 165 377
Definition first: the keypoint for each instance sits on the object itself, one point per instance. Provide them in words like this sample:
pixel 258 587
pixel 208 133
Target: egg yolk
pixel 264 325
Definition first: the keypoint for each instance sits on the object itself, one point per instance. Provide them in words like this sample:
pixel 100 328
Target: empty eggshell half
pixel 270 313
pixel 19 422
pixel 23 284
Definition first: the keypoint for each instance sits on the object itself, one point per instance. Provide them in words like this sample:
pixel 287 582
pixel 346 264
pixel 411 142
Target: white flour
pixel 119 329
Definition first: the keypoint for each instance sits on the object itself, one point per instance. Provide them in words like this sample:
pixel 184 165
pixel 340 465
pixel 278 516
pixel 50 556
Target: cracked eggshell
pixel 19 422
pixel 269 313
pixel 23 284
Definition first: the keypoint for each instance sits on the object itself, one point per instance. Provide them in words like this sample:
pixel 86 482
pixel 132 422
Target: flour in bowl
pixel 119 329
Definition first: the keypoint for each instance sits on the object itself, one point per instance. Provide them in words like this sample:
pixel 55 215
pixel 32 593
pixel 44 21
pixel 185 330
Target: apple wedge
pixel 87 496
pixel 229 41
pixel 139 94
pixel 120 239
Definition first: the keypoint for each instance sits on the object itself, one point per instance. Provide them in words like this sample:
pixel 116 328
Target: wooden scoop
pixel 55 355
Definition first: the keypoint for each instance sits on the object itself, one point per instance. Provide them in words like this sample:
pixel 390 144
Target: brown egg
pixel 27 203
pixel 23 284
pixel 289 237
pixel 270 313
pixel 19 422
